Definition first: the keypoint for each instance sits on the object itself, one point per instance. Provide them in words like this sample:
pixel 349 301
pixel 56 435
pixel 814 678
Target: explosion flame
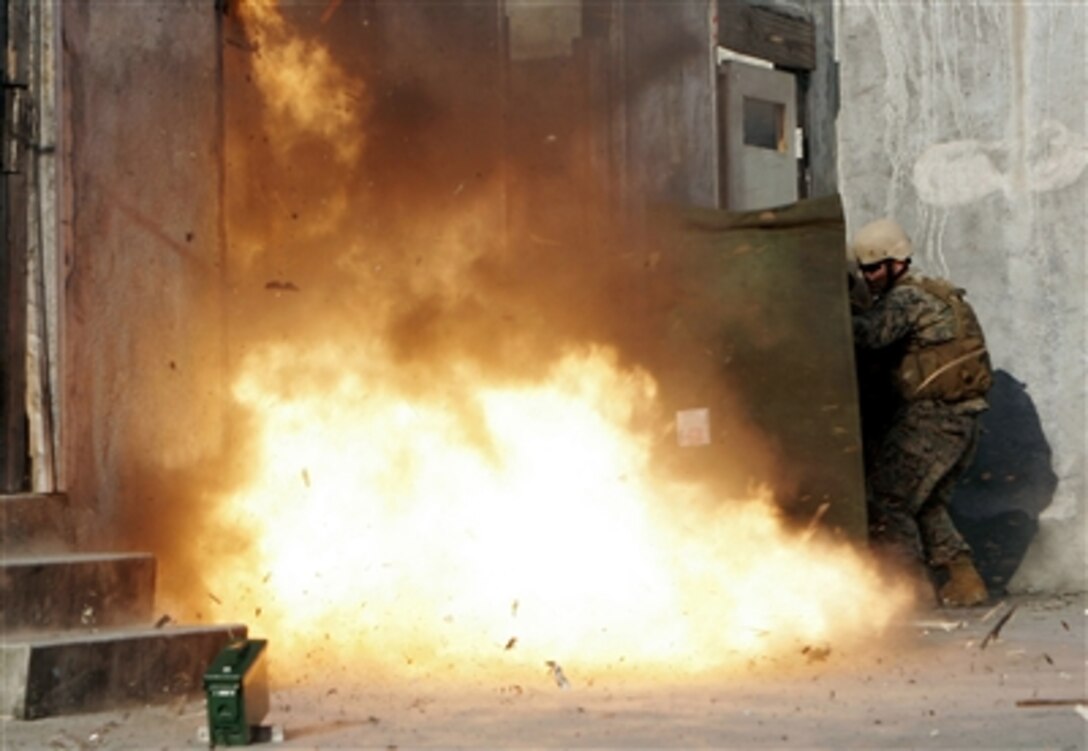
pixel 440 516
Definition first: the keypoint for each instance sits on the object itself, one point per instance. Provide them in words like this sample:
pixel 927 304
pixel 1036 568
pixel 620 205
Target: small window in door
pixel 764 124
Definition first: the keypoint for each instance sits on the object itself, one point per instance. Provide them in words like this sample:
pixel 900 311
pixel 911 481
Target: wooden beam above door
pixel 780 36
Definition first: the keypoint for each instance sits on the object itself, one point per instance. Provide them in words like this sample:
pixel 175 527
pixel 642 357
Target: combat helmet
pixel 880 241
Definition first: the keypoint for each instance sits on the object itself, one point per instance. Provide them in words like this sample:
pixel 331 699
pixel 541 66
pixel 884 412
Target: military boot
pixel 964 587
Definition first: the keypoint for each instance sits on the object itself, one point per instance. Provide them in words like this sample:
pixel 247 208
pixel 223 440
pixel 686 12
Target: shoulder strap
pixel 946 292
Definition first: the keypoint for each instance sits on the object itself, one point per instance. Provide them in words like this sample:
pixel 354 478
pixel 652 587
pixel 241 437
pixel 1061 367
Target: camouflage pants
pixel 925 451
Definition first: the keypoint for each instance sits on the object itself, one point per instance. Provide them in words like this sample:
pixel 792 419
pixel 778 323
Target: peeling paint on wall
pixel 960 172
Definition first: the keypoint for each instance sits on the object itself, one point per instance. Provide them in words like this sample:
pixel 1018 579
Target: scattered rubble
pixel 945 626
pixel 816 654
pixel 1052 703
pixel 996 630
pixel 557 674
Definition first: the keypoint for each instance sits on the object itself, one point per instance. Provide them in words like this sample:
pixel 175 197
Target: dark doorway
pixel 14 465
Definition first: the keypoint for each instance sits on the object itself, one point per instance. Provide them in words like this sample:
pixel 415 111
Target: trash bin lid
pixel 234 660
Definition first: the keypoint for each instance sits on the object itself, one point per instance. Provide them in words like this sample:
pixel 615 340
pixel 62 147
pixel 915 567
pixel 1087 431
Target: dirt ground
pixel 955 679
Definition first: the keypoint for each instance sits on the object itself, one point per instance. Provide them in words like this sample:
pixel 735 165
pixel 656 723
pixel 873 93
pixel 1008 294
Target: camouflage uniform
pixel 929 439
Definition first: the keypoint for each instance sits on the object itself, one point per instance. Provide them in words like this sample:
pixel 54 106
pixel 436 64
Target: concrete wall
pixel 967 122
pixel 142 294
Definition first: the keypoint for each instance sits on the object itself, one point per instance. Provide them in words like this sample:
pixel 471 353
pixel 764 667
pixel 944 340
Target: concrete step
pixel 75 590
pixel 35 522
pixel 45 675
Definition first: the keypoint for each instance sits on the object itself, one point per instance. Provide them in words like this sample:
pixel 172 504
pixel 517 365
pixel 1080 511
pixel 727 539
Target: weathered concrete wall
pixel 142 293
pixel 967 122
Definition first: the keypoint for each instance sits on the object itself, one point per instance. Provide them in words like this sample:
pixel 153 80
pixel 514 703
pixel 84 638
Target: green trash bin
pixel 236 686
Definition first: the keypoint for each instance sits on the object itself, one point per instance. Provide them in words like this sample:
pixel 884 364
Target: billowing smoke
pixel 444 427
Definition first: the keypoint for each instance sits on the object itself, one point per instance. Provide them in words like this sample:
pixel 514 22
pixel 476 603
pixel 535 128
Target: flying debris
pixel 557 674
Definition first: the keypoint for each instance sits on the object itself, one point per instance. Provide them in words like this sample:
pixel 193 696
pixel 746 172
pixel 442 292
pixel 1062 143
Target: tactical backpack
pixel 951 371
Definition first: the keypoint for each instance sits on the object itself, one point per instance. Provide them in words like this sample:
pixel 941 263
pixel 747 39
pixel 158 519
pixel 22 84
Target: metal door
pixel 758 133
